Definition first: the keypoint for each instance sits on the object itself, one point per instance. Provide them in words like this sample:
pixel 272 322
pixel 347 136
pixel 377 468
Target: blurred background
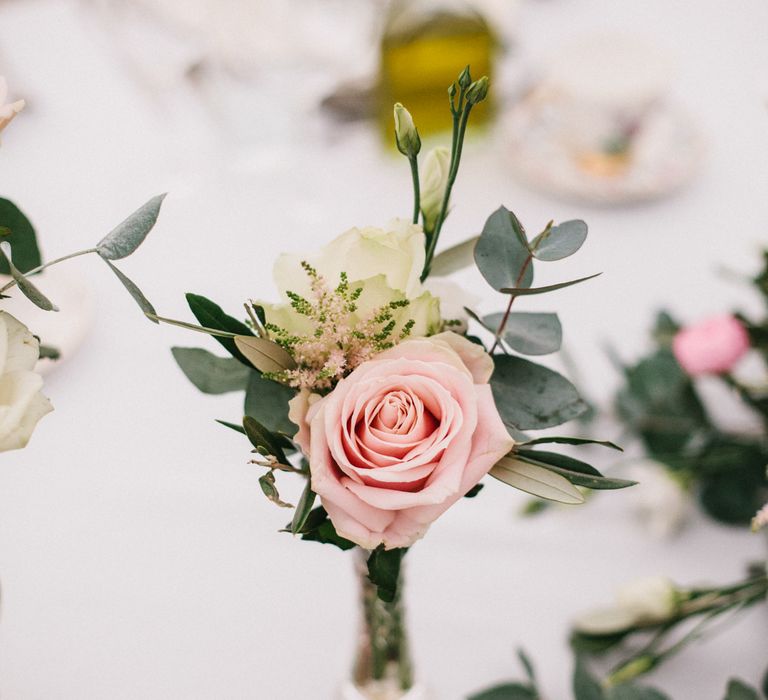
pixel 137 557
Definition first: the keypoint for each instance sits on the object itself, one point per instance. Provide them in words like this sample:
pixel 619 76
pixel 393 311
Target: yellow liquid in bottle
pixel 419 63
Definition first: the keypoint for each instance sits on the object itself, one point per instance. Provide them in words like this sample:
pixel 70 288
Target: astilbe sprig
pixel 340 341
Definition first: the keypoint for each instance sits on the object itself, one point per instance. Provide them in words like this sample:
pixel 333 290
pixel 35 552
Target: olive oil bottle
pixel 425 45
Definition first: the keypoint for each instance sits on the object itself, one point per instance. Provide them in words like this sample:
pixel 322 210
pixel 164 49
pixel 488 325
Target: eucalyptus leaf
pixel 267 402
pixel 209 373
pixel 260 437
pixel 265 355
pixel 502 254
pixel 536 480
pixel 577 472
pixel 558 242
pixel 738 690
pixel 507 691
pixel 19 232
pixel 210 315
pixel 453 259
pixel 585 686
pixel 529 333
pixel 570 441
pixel 267 483
pixel 26 287
pixel 529 396
pixel 127 236
pixel 384 571
pixel 233 426
pixel 523 291
pixel 135 292
pixel 303 509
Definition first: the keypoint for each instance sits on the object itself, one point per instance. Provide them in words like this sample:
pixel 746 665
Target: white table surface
pixel 139 559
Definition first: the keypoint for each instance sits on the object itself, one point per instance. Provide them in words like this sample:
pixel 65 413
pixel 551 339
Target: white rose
pixel 22 404
pixel 659 501
pixel 387 264
pixel 7 111
pixel 651 599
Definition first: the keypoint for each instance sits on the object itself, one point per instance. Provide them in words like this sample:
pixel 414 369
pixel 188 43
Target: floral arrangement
pixel 664 404
pixel 650 622
pixel 389 410
pixel 22 403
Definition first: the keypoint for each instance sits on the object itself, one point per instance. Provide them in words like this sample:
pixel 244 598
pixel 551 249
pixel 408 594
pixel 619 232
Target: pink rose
pixel 711 347
pixel 402 438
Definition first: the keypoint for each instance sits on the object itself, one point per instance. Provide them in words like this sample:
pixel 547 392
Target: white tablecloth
pixel 139 559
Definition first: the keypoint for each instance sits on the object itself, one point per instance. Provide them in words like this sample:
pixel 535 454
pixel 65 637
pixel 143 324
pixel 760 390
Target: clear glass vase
pixel 382 668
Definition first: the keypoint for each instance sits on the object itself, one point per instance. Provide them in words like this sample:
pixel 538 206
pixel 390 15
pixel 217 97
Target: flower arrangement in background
pixel 22 403
pixel 662 403
pixel 389 410
pixel 651 621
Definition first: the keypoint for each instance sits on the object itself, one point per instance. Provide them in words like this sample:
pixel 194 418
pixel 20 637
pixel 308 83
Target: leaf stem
pixel 40 268
pixel 505 318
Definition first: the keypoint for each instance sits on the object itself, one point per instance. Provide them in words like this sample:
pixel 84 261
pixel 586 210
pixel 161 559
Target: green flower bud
pixel 478 90
pixel 406 134
pixel 465 79
pixel 631 670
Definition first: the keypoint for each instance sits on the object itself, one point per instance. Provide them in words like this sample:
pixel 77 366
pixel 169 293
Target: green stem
pixel 459 131
pixel 40 268
pixel 416 188
pixel 505 318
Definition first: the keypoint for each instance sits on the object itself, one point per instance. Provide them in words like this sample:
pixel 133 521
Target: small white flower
pixel 22 403
pixel 10 110
pixel 434 178
pixel 658 501
pixel 651 599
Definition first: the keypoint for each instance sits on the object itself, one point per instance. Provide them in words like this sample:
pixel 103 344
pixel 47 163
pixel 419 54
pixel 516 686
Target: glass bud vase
pixel 382 668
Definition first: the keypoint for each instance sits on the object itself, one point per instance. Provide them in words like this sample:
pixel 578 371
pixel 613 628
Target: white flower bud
pixel 434 178
pixel 406 134
pixel 651 599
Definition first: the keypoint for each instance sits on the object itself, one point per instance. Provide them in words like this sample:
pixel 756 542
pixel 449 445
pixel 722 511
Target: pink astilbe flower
pixel 341 341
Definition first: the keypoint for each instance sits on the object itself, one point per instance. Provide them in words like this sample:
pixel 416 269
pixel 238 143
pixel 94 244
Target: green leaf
pixel 134 291
pixel 536 480
pixel 529 333
pixel 477 488
pixel 454 258
pixel 577 472
pixel 26 287
pixel 384 571
pixel 265 355
pixel 318 528
pixel 19 232
pixel 209 373
pixel 737 690
pixel 48 352
pixel 262 438
pixel 506 691
pixel 527 665
pixel 523 291
pixel 765 684
pixel 303 509
pixel 211 315
pixel 558 242
pixel 234 426
pixel 267 402
pixel 585 686
pixel 635 692
pixel 127 236
pixel 531 397
pixel 584 643
pixel 502 254
pixel 267 483
pixel 570 441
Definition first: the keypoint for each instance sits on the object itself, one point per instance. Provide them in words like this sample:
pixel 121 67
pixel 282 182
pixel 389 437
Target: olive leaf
pixel 28 289
pixel 135 292
pixel 454 258
pixel 18 231
pixel 522 291
pixel 536 480
pixel 265 355
pixel 303 508
pixel 209 373
pixel 267 483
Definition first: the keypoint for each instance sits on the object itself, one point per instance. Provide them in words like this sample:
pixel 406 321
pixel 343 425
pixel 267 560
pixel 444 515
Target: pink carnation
pixel 402 438
pixel 711 347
